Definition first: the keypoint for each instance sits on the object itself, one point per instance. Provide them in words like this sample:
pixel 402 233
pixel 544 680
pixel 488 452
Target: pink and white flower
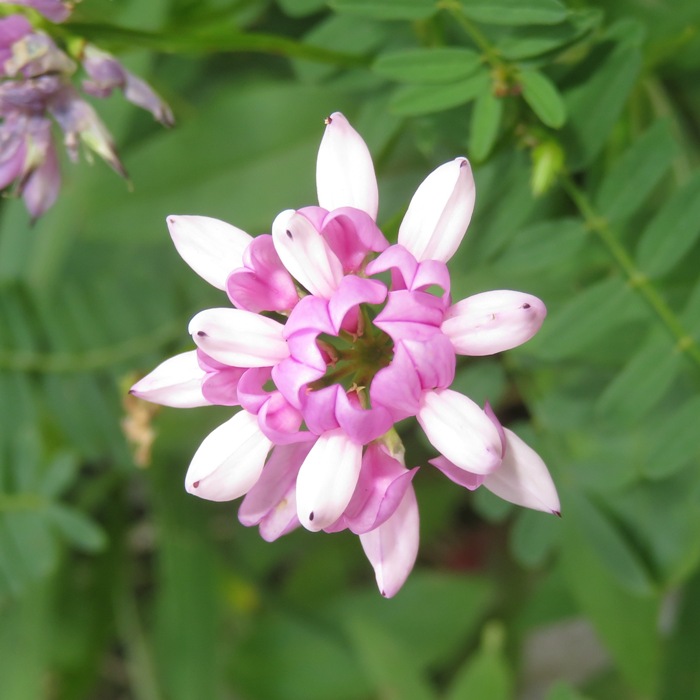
pixel 324 356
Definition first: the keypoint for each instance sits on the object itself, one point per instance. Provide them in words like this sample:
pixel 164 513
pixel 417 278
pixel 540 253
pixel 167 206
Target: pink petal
pixel 523 478
pixel 310 314
pixel 459 476
pixel 397 387
pixel 434 360
pixel 229 460
pixel 352 292
pixel 305 254
pixel 344 170
pixel 263 284
pixel 460 430
pixel 291 378
pixel 176 382
pixel 212 248
pixel 492 322
pixel 318 408
pixel 271 502
pixel 221 387
pixel 352 234
pixel 380 489
pixel 361 424
pixel 239 338
pixel 414 315
pixel 327 479
pixel 392 548
pixel 41 189
pixel 439 213
pixel 280 421
pixel 402 264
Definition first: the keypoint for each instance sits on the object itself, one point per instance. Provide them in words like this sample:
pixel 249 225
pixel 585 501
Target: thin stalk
pixel 216 41
pixel 685 343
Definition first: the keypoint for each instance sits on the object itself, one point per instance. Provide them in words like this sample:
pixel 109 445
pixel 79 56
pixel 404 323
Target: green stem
pixel 476 35
pixel 685 343
pixel 216 41
pixel 89 360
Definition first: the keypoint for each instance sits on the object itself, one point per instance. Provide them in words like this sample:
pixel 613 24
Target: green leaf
pixel 59 475
pixel 681 672
pixel 486 674
pixel 563 691
pixel 432 631
pixel 665 519
pixel 533 537
pixel 672 232
pixel 673 443
pixel 387 9
pixel 642 383
pixel 386 662
pixel 626 623
pixel 486 120
pixel 301 8
pixel 412 100
pixel 595 104
pixel 634 176
pixel 77 528
pixel 610 545
pixel 544 245
pixel 531 41
pixel 515 12
pixel 543 97
pixel 571 330
pixel 440 65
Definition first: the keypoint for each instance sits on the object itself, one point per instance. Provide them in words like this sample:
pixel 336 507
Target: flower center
pixel 354 358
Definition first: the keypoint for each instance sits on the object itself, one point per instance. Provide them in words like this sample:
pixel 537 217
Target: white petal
pixel 176 382
pixel 392 548
pixel 305 254
pixel 229 461
pixel 439 213
pixel 212 248
pixel 344 170
pixel 327 479
pixel 460 430
pixel 492 322
pixel 239 338
pixel 523 478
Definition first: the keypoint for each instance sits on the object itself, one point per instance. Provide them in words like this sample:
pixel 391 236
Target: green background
pixel 581 122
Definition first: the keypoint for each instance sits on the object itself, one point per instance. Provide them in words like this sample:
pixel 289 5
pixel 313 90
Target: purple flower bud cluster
pixel 37 89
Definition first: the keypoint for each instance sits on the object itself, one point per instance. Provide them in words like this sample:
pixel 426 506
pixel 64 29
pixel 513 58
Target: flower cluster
pixel 336 335
pixel 36 88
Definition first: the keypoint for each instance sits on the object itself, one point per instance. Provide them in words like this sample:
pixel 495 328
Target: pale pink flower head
pixel 335 335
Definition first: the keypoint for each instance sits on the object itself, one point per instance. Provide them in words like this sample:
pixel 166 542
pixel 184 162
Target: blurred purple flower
pixel 106 74
pixel 53 10
pixel 35 86
pixel 324 355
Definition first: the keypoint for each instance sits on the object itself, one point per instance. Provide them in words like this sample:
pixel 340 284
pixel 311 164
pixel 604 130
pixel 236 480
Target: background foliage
pixel 581 119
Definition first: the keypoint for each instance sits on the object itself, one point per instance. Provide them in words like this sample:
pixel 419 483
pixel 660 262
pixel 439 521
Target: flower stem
pixel 685 343
pixel 216 41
